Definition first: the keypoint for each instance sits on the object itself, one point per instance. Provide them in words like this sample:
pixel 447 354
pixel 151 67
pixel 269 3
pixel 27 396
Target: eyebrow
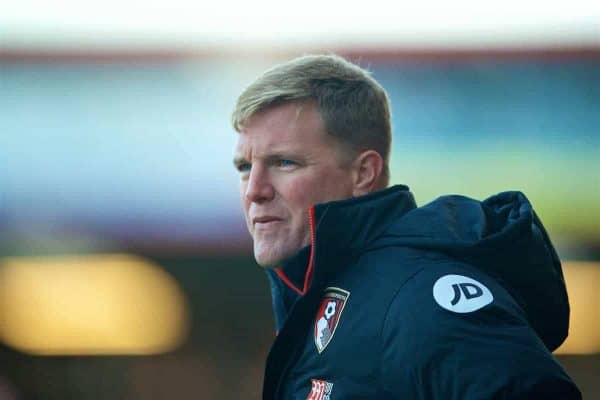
pixel 274 156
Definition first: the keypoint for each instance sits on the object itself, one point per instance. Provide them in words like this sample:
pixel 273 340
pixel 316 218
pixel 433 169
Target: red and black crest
pixel 329 315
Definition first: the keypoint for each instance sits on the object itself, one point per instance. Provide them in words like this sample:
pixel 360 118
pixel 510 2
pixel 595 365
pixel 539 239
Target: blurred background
pixel 125 267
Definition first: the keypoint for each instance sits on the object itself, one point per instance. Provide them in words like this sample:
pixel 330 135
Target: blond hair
pixel 354 107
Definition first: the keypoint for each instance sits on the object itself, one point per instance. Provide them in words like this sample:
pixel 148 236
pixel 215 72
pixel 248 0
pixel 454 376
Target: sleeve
pixel 453 333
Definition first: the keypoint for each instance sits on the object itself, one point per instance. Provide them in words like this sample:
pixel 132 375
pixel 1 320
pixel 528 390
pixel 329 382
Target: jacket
pixel 458 299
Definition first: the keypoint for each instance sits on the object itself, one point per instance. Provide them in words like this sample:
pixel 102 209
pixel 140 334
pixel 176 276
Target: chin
pixel 265 263
pixel 268 259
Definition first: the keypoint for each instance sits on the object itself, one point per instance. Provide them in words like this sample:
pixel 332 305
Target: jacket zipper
pixel 307 279
pixel 313 240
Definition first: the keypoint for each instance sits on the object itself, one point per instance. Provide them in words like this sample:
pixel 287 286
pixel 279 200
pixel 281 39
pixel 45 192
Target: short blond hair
pixel 354 107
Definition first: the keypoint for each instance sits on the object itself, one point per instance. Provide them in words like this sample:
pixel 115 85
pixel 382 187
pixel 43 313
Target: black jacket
pixel 458 299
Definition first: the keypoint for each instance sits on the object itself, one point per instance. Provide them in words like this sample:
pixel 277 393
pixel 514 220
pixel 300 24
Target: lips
pixel 265 220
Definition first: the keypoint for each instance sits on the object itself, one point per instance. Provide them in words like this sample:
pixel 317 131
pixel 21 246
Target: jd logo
pixel 470 290
pixel 461 294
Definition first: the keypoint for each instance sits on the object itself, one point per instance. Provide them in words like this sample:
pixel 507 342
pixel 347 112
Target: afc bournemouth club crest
pixel 329 315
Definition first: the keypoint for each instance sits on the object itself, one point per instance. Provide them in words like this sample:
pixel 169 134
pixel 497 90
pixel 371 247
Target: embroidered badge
pixel 461 294
pixel 329 315
pixel 321 390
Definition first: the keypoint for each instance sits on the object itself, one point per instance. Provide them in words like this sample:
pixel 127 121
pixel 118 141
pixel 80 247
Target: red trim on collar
pixel 313 239
pixel 311 260
pixel 287 281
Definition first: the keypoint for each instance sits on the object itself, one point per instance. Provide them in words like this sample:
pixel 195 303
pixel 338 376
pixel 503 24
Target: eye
pixel 243 167
pixel 286 164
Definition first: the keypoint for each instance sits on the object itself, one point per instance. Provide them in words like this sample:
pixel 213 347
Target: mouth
pixel 265 221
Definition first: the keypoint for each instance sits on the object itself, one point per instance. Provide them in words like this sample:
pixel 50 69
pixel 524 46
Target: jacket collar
pixel 340 231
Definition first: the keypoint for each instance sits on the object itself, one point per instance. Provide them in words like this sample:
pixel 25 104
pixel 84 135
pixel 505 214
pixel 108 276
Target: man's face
pixel 287 163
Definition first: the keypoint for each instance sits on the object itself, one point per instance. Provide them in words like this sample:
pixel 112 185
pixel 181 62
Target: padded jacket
pixel 455 300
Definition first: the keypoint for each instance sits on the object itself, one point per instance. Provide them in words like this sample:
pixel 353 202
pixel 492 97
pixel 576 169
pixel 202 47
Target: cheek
pixel 242 191
pixel 243 200
pixel 300 193
pixel 332 186
pixel 307 190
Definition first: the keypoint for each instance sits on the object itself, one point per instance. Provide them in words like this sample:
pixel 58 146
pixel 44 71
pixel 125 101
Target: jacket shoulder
pixel 450 329
pixel 395 264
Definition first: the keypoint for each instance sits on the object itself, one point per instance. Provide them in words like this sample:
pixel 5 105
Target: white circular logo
pixel 461 294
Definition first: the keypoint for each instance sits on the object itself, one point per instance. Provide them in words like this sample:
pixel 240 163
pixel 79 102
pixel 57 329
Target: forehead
pixel 290 125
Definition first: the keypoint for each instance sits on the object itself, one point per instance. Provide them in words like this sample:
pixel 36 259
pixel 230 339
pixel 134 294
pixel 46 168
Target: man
pixel 375 298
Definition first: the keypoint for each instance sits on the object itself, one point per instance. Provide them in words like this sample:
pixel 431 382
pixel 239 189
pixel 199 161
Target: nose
pixel 259 189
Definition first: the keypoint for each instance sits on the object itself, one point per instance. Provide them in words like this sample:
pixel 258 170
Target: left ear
pixel 367 172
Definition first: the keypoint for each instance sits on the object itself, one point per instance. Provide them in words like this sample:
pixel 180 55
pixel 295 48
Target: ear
pixel 367 172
